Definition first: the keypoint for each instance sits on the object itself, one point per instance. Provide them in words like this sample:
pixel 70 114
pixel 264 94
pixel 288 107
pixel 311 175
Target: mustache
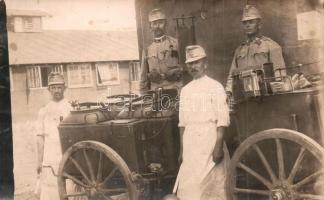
pixel 158 29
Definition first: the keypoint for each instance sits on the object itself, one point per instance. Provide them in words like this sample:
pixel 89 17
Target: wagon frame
pixel 280 182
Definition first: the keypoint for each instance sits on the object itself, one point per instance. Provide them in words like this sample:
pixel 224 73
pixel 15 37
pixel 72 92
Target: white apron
pixel 199 177
pixel 49 119
pixel 203 108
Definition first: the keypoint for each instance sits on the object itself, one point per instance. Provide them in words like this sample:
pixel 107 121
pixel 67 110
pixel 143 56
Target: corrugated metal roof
pixel 62 46
pixel 13 12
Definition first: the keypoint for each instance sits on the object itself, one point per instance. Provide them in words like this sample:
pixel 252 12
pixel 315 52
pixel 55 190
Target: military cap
pixel 156 14
pixel 55 78
pixel 250 12
pixel 194 52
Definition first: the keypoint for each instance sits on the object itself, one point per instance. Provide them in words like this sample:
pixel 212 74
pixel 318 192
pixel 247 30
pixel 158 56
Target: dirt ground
pixel 24 151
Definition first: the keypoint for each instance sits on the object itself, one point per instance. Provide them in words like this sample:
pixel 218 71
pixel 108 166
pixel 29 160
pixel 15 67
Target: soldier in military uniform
pixel 160 61
pixel 256 50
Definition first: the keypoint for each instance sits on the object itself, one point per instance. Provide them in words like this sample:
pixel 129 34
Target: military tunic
pixel 255 53
pixel 160 57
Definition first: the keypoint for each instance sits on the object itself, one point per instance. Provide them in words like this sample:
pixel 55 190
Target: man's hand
pixel 174 74
pixel 154 77
pixel 218 155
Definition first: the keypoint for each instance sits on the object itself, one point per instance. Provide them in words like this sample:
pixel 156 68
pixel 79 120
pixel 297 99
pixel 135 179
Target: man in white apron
pixel 203 115
pixel 48 141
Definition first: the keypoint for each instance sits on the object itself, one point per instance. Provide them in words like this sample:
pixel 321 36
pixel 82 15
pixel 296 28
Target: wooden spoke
pixel 89 165
pixel 265 163
pixel 89 181
pixel 308 179
pixel 111 174
pixel 99 172
pixel 76 194
pixel 76 164
pixel 114 190
pixel 289 178
pixel 296 165
pixel 255 174
pixel 309 196
pixel 280 160
pixel 105 197
pixel 252 191
pixel 66 175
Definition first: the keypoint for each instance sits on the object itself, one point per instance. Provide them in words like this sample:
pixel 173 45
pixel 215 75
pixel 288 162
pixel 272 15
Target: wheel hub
pixel 281 193
pixel 93 191
pixel 278 195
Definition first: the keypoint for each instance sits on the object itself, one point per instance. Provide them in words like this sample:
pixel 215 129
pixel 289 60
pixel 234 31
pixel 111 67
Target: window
pixel 57 69
pixel 79 75
pixel 28 23
pixel 107 73
pixel 135 71
pixel 37 76
pixel 33 77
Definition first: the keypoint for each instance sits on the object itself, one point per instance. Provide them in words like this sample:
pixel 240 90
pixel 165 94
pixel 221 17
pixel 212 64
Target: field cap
pixel 55 78
pixel 194 52
pixel 250 12
pixel 156 14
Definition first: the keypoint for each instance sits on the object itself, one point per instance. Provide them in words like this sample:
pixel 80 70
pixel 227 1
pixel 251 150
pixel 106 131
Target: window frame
pixel 117 82
pixel 27 23
pixel 38 67
pixel 39 77
pixel 131 64
pixel 79 70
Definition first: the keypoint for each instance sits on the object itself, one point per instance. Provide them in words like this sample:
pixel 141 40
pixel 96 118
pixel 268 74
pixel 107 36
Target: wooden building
pixel 95 64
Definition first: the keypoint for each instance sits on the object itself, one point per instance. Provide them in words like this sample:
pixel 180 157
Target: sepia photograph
pixel 163 99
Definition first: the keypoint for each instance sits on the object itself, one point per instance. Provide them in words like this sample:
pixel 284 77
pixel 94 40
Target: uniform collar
pixel 201 78
pixel 59 102
pixel 160 39
pixel 257 40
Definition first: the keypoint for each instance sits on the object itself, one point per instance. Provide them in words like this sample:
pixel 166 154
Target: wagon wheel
pixel 94 171
pixel 276 164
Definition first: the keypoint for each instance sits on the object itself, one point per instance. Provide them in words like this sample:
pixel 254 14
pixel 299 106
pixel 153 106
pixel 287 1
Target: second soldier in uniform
pixel 160 61
pixel 256 50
